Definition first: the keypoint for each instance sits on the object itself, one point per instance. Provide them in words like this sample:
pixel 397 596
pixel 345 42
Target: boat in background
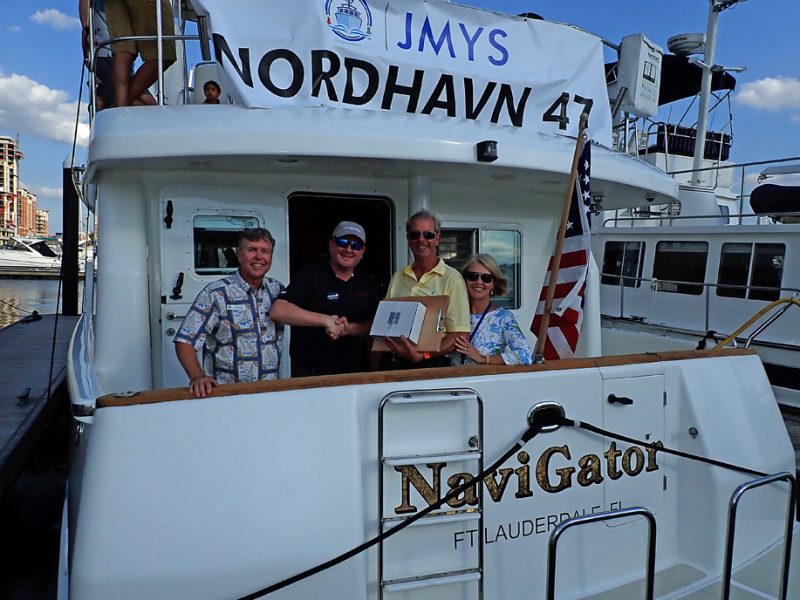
pixel 28 255
pixel 591 477
pixel 704 269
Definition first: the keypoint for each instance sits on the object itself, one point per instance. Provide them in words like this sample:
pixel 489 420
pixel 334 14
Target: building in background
pixel 26 213
pixel 9 181
pixel 42 225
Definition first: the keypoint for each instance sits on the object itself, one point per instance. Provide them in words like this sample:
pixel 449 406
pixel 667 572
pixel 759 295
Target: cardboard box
pixel 394 319
pixel 432 331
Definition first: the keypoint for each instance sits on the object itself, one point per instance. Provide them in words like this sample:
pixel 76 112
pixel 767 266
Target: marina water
pixel 20 297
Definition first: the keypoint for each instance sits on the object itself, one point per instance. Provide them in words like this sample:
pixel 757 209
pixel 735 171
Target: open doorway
pixel 313 216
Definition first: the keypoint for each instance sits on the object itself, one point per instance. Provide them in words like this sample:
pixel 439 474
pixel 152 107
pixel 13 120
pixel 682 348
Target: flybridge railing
pixel 669 219
pixel 655 286
pixel 634 134
pixel 730 219
pixel 201 37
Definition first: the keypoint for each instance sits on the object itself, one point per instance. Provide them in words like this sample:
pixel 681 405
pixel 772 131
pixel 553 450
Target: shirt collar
pixel 239 280
pixel 438 269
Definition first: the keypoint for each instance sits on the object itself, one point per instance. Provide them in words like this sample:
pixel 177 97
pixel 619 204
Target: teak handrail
pixel 303 383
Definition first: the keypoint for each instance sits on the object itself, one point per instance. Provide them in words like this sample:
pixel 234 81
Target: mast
pixel 707 65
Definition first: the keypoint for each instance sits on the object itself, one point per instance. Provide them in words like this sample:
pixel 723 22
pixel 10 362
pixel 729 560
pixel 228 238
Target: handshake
pixel 336 327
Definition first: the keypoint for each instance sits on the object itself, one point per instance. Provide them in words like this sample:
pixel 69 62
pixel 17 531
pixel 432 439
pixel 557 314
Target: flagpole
pixel 541 337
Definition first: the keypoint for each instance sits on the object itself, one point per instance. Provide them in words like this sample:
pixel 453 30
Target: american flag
pixel 566 317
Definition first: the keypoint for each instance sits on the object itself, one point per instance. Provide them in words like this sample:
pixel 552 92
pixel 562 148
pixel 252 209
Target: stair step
pixel 421 459
pixel 412 583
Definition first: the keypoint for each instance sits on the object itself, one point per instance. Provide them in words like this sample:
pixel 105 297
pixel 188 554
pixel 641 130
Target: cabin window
pixel 505 246
pixel 623 261
pixel 12 244
pixel 746 265
pixel 680 266
pixel 215 239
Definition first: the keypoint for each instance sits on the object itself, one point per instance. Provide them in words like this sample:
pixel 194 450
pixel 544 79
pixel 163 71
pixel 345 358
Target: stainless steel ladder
pixel 733 505
pixel 596 518
pixel 407 421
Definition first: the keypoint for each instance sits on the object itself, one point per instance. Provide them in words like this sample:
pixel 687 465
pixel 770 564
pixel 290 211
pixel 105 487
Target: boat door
pixel 313 217
pixel 198 246
pixel 634 406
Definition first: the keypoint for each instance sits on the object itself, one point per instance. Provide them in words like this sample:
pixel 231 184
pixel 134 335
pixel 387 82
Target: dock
pixel 25 351
pixel 12 273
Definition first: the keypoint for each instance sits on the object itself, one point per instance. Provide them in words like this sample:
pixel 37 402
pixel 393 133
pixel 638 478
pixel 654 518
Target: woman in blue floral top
pixel 496 337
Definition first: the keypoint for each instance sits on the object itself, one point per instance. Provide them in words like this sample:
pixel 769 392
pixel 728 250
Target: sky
pixel 41 68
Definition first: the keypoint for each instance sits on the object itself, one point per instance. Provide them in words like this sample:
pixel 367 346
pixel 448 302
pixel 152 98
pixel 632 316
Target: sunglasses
pixel 344 243
pixel 474 275
pixel 414 235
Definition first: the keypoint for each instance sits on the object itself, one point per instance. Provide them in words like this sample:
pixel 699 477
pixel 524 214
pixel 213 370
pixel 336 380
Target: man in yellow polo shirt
pixel 428 275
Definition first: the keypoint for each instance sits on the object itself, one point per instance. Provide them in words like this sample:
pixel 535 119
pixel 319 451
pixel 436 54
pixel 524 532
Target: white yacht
pixel 666 475
pixel 704 269
pixel 20 254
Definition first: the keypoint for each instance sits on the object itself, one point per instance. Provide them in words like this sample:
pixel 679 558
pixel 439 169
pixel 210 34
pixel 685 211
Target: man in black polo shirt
pixel 330 306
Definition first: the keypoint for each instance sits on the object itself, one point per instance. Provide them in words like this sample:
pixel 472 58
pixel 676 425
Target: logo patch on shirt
pixel 333 296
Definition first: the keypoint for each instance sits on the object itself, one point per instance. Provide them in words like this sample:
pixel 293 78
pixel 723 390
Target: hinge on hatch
pixel 665 397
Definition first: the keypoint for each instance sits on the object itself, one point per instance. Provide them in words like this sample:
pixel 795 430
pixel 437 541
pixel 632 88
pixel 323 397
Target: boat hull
pixel 223 496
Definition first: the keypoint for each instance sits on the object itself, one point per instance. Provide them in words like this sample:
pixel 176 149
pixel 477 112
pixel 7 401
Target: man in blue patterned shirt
pixel 230 321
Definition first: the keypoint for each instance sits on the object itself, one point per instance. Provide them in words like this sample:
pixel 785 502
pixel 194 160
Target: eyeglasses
pixel 473 276
pixel 414 235
pixel 344 243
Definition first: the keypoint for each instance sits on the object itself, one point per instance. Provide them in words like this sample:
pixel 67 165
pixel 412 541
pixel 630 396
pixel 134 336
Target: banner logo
pixel 351 20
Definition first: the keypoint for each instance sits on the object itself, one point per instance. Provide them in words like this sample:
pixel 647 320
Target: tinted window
pixel 751 265
pixel 215 238
pixel 623 258
pixel 679 265
pixel 767 271
pixel 734 268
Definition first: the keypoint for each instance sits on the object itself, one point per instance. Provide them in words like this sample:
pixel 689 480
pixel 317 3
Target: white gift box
pixel 394 319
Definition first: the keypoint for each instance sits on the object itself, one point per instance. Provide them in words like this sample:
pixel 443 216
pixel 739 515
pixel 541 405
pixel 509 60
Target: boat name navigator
pixel 591 472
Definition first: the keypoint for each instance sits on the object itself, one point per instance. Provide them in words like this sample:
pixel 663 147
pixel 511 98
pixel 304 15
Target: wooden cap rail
pixel 304 383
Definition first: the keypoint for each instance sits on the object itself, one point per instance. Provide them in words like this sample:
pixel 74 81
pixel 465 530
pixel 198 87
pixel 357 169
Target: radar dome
pixel 685 44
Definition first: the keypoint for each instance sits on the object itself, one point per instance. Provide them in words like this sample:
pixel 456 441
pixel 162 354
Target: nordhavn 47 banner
pixel 425 58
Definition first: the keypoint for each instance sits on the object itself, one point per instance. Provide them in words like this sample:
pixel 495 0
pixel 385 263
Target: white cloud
pixel 55 19
pixel 30 107
pixel 771 93
pixel 43 191
pixel 14 29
